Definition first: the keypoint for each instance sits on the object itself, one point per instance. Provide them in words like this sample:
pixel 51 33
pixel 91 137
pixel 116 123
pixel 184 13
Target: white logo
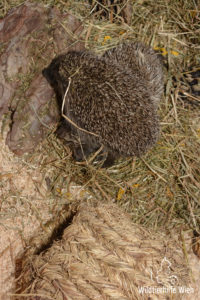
pixel 168 282
pixel 165 271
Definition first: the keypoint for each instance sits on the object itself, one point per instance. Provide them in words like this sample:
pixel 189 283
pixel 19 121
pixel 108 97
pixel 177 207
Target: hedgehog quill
pixel 111 101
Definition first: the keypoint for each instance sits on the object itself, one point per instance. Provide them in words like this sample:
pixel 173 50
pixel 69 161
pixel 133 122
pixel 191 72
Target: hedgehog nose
pixel 45 73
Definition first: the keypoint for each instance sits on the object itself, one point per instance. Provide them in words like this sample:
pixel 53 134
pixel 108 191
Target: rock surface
pixel 32 35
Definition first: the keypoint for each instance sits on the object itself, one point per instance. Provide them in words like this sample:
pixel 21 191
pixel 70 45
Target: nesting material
pixel 103 255
pixel 115 11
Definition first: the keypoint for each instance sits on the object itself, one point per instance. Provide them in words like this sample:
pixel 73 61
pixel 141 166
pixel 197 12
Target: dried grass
pixel 162 188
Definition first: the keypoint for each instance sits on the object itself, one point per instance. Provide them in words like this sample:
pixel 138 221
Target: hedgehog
pixel 143 60
pixel 111 99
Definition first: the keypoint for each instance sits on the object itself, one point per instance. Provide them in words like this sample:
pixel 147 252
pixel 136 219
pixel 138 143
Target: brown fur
pixel 114 96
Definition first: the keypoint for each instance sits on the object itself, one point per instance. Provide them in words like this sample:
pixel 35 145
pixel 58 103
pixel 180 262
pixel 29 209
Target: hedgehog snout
pixel 47 75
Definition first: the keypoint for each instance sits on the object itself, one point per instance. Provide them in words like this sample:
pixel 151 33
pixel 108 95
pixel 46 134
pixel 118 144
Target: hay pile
pixel 166 180
pixel 103 255
pixel 160 191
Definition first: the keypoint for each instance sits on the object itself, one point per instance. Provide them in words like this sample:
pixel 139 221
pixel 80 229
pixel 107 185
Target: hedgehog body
pixel 113 97
pixel 142 60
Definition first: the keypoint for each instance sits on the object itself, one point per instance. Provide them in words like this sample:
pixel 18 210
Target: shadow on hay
pixel 41 243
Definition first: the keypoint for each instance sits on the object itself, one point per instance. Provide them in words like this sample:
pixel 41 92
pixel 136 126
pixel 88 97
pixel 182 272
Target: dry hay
pixel 166 180
pixel 114 11
pixel 103 255
pixel 162 189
